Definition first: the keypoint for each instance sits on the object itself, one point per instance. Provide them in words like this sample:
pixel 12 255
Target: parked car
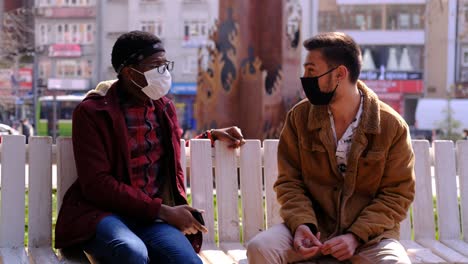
pixel 7 130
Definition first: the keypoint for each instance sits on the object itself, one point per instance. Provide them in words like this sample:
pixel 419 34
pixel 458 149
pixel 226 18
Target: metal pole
pixel 54 117
pixel 35 87
pixel 16 85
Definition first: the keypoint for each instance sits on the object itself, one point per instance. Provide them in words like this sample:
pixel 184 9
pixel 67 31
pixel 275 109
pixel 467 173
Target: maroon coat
pixel 102 161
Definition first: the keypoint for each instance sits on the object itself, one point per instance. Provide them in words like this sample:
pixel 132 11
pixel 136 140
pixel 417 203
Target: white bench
pixel 256 166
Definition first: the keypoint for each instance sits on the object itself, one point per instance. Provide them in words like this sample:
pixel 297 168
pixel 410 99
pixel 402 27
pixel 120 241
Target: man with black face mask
pixel 128 204
pixel 346 168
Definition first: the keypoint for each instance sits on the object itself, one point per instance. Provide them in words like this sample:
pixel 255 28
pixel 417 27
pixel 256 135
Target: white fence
pixel 256 166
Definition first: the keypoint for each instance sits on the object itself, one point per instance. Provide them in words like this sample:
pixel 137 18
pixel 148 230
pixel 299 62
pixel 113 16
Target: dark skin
pixel 178 216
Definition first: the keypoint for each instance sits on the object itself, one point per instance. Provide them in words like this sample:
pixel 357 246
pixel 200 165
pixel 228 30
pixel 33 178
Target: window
pixel 369 17
pixel 351 17
pixel 89 34
pixel 66 34
pixel 44 69
pixel 465 56
pixel 72 3
pixel 153 27
pixel 60 35
pixel 75 33
pixel 44 31
pixel 76 38
pixel 195 33
pixel 404 21
pixel 405 17
pixel 194 28
pixel 44 3
pixel 465 11
pixel 74 68
pixel 190 65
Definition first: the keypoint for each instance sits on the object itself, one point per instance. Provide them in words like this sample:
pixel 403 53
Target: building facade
pixel 461 58
pixel 66 44
pixel 391 35
pixel 183 26
pixel 16 46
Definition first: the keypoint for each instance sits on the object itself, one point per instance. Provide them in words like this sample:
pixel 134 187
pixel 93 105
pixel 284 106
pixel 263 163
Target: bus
pixel 44 114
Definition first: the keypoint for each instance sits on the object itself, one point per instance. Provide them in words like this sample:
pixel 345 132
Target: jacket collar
pixel 370 119
pixel 106 97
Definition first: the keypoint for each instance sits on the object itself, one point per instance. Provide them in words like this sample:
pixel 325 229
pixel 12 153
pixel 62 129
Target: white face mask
pixel 159 84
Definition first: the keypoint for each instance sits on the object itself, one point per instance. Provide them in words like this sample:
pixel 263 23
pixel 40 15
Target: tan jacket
pixel 373 197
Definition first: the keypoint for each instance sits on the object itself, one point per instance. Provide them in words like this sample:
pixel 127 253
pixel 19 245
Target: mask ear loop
pixel 139 86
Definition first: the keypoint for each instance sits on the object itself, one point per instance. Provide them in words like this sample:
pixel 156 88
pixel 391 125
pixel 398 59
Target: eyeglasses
pixel 167 65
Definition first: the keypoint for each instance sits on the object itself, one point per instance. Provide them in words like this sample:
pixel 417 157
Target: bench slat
pixel 12 192
pixel 419 254
pixel 214 255
pixel 42 255
pixel 462 154
pixel 227 193
pixel 458 245
pixel 405 227
pixel 13 255
pixel 40 192
pixel 66 168
pixel 201 183
pixel 443 251
pixel 446 190
pixel 423 210
pixel 251 189
pixel 236 251
pixel 270 161
pixel 183 162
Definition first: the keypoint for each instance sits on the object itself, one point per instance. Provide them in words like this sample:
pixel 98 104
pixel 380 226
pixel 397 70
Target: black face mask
pixel 312 90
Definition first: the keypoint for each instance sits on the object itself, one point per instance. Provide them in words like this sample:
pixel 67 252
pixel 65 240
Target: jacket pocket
pixel 315 164
pixel 370 172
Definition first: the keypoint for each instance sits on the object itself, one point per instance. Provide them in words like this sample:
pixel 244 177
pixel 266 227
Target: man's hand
pixel 306 243
pixel 181 217
pixel 341 247
pixel 231 135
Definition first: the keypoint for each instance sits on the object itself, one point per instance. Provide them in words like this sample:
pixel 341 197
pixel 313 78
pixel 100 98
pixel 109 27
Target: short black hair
pixel 130 43
pixel 337 48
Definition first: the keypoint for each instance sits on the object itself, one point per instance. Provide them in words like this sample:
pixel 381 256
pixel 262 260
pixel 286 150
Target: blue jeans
pixel 120 240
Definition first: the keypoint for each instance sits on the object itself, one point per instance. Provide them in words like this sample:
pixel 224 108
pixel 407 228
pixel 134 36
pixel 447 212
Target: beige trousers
pixel 274 246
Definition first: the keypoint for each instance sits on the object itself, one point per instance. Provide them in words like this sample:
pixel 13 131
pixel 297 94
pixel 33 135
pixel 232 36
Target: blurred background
pixel 236 62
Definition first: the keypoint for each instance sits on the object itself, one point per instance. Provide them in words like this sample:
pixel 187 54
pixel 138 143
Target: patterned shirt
pixel 146 151
pixel 343 146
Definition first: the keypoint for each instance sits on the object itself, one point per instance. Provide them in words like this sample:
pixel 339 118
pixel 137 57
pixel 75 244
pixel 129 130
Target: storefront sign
pixel 68 12
pixel 395 86
pixel 394 100
pixel 390 75
pixel 184 88
pixel 65 50
pixel 68 84
pixel 25 76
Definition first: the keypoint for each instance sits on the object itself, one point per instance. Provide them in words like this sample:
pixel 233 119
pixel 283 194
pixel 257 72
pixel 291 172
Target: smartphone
pixel 198 216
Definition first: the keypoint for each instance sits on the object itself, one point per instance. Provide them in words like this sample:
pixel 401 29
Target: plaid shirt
pixel 145 147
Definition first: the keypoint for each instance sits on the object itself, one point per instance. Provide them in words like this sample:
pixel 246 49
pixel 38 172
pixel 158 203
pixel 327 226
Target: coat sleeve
pixel 94 169
pixel 396 191
pixel 296 206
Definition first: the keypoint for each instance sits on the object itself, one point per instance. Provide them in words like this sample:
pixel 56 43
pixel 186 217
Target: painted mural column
pixel 252 76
